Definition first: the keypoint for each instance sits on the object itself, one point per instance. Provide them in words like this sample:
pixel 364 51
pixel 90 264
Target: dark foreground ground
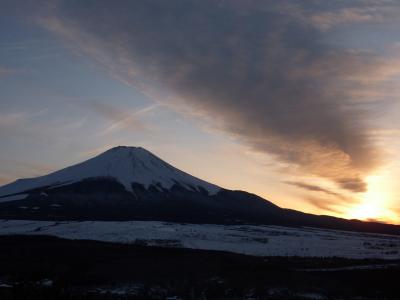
pixel 52 268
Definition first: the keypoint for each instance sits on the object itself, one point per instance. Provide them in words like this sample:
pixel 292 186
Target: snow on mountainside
pixel 125 164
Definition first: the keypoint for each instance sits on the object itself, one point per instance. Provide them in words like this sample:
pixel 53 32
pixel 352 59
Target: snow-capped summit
pixel 127 165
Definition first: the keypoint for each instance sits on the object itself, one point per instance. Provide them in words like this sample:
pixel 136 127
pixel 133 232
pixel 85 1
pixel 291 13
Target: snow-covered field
pixel 244 239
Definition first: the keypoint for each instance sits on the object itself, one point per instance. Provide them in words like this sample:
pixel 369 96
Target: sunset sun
pixel 375 203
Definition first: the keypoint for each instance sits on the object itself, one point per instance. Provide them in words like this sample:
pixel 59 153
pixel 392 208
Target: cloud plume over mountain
pixel 259 70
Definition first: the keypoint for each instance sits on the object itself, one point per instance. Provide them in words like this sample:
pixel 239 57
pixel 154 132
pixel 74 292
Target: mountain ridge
pixel 158 192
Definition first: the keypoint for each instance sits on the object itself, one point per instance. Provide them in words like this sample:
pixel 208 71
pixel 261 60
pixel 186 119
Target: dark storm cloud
pixel 256 69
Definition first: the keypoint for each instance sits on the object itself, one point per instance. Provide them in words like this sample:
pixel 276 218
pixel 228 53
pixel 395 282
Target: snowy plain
pixel 242 239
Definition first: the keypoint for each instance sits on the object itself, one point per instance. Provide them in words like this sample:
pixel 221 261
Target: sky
pixel 294 100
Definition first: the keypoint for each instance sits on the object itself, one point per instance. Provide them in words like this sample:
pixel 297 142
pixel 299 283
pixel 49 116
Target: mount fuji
pixel 125 165
pixel 131 183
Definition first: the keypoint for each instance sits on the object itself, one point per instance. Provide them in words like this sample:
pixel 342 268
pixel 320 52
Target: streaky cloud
pixel 334 201
pixel 313 188
pixel 325 204
pixel 119 118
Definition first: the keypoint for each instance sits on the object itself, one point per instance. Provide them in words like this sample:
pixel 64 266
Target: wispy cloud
pixel 34 169
pixel 313 188
pixel 327 20
pixel 325 204
pixel 120 118
pixel 5 71
pixel 14 169
pixel 8 120
pixel 331 202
